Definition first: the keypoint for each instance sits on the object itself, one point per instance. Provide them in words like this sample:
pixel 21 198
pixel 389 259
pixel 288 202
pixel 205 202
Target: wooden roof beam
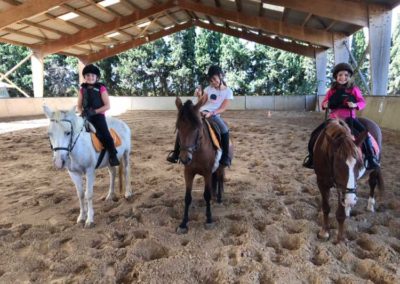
pixel 93 57
pixel 26 10
pixel 352 12
pixel 12 2
pixel 85 34
pixel 314 36
pixel 293 47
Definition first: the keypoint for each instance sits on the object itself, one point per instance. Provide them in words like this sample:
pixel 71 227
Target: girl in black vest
pixel 93 102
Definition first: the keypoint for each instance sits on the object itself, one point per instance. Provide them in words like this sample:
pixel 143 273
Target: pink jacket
pixel 344 113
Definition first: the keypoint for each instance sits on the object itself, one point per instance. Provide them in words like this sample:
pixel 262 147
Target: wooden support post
pixel 339 48
pixel 321 61
pixel 81 65
pixel 37 74
pixel 380 20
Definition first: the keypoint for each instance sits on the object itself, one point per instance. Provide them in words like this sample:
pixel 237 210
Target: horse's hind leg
pixel 183 229
pixel 77 179
pixel 207 198
pixel 325 192
pixel 111 191
pixel 374 179
pixel 220 184
pixel 127 173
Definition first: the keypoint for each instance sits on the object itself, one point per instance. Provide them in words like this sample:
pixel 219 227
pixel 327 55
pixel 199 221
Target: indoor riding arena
pixel 266 228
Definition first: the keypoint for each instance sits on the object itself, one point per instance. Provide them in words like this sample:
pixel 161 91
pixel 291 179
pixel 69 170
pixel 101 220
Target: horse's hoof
pixel 80 220
pixel 209 226
pixel 129 197
pixel 323 235
pixel 89 225
pixel 111 198
pixel 181 231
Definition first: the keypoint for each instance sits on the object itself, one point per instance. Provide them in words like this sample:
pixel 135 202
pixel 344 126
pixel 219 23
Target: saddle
pixel 98 146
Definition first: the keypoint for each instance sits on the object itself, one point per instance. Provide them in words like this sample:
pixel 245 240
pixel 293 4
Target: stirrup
pixel 308 162
pixel 172 157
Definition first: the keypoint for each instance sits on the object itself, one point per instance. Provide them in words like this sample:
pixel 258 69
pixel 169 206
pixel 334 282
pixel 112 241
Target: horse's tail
pixel 121 177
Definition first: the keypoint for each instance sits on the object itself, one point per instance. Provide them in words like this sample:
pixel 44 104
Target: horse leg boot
pixel 173 156
pixel 225 161
pixel 372 159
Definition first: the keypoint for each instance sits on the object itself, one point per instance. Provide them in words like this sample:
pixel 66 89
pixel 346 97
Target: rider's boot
pixel 308 161
pixel 173 156
pixel 372 160
pixel 225 160
pixel 113 159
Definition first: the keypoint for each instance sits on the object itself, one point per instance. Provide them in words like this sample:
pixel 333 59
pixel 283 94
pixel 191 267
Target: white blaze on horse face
pixel 351 182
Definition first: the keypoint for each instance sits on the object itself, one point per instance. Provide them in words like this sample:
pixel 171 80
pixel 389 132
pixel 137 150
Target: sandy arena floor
pixel 266 228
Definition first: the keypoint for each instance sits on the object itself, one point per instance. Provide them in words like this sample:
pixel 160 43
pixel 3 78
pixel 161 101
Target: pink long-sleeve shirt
pixel 344 113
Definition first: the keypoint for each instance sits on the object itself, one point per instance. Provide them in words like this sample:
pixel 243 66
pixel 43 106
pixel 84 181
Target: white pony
pixel 72 149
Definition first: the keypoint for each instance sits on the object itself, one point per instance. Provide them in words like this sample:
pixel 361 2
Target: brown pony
pixel 198 155
pixel 338 163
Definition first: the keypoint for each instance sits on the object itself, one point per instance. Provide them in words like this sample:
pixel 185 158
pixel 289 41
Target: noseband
pixel 194 147
pixel 71 143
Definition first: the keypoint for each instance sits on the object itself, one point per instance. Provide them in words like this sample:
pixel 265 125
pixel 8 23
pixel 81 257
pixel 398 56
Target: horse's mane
pixel 188 113
pixel 59 115
pixel 338 132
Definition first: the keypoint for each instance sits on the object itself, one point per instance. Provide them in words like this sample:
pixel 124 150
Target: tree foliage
pixel 177 64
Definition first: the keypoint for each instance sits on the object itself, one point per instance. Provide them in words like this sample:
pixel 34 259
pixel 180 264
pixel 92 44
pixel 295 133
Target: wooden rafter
pixel 308 51
pixel 93 57
pixel 26 10
pixel 239 5
pixel 314 36
pixel 84 35
pixel 352 12
pixel 12 2
pixel 306 20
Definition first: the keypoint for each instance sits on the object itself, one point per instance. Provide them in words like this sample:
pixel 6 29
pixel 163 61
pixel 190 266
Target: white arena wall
pixel 385 110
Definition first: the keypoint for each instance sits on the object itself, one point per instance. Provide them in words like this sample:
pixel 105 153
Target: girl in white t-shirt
pixel 219 95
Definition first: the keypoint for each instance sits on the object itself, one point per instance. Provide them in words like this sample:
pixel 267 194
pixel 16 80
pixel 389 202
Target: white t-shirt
pixel 216 98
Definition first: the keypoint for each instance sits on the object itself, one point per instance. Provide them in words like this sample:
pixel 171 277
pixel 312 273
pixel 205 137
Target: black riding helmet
pixel 91 69
pixel 214 70
pixel 342 67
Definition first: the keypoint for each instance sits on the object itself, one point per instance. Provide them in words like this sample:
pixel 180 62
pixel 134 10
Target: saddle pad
pixel 98 146
pixel 374 144
pixel 213 135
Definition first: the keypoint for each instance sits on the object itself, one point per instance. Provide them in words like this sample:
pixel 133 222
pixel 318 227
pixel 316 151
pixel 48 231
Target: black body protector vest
pixel 91 97
pixel 340 98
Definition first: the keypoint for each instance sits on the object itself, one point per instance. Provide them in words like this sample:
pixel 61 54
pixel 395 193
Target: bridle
pixel 195 146
pixel 71 143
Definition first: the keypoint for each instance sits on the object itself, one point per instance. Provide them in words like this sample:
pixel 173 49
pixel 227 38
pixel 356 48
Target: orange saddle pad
pixel 213 135
pixel 97 144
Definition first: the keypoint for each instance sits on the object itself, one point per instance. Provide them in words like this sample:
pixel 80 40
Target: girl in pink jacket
pixel 343 99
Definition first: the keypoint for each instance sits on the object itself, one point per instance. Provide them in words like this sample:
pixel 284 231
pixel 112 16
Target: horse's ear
pixel 201 101
pixel 360 139
pixel 47 111
pixel 178 103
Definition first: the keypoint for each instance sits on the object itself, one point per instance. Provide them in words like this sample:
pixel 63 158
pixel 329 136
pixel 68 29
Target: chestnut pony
pixel 338 163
